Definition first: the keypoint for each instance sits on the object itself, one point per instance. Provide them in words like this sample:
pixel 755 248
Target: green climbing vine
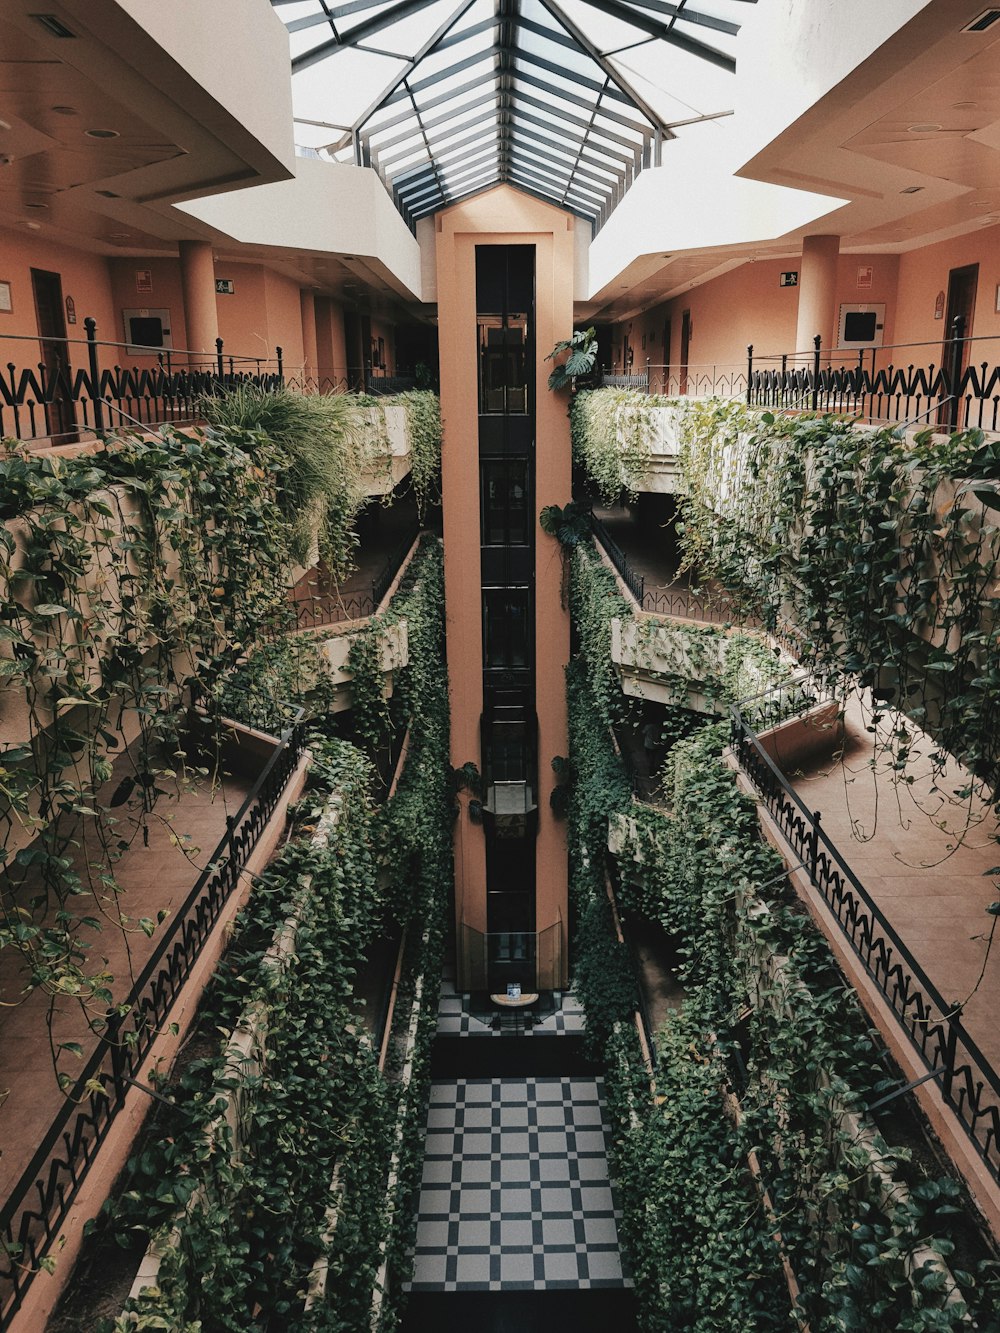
pixel 320 1110
pixel 131 577
pixel 866 1232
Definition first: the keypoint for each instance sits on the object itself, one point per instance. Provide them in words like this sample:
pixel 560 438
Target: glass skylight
pixel 568 99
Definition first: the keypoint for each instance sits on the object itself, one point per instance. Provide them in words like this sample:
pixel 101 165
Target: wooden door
pixel 962 283
pixel 60 416
pixel 685 348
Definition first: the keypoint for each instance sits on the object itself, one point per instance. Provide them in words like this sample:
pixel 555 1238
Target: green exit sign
pixel 789 279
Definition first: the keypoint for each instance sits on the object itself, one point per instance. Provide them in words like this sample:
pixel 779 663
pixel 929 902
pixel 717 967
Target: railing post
pixel 649 386
pixel 950 1049
pixel 955 366
pixel 90 324
pixel 113 1039
pixel 814 846
pixel 817 343
pixel 218 358
pixel 749 372
pixel 231 838
pixel 281 364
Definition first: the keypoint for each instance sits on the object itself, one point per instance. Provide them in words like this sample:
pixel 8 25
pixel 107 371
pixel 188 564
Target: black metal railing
pixel 952 393
pixel 382 581
pixel 32 1216
pixel 380 385
pixel 83 385
pixel 313 610
pixel 934 1028
pixel 635 582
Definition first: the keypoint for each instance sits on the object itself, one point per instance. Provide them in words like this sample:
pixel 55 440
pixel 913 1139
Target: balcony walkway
pixel 382 530
pixel 923 854
pixel 184 831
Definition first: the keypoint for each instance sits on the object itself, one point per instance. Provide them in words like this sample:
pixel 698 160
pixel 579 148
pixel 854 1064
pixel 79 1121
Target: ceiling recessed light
pixel 4 125
pixel 923 129
pixel 962 106
pixel 33 226
pixel 53 25
pixel 108 194
pixel 120 235
pixel 912 189
pixel 65 110
pixel 102 134
pixel 36 205
pixel 985 20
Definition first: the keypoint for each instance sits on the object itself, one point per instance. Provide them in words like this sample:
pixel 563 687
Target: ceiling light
pixel 108 194
pixel 922 129
pixel 33 226
pixel 985 20
pixel 53 25
pixel 36 205
pixel 102 134
pixel 120 235
pixel 4 125
pixel 65 110
pixel 912 189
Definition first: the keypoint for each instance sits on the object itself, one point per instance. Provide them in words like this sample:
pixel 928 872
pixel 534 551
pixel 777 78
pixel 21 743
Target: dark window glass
pixel 503 364
pixel 504 492
pixel 505 627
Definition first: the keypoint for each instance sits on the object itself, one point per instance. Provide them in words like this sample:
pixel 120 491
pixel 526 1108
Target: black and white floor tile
pixel 455 1020
pixel 515 1192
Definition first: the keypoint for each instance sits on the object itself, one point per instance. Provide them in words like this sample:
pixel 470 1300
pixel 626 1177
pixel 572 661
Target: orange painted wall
pixel 330 344
pixel 167 294
pixel 503 217
pixel 243 315
pixel 85 277
pixel 284 319
pixel 923 273
pixel 747 305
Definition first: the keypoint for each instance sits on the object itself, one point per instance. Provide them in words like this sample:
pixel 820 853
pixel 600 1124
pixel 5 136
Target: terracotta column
pixel 307 301
pixel 201 317
pixel 817 292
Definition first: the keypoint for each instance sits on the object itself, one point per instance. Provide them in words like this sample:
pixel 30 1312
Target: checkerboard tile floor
pixel 515 1192
pixel 454 1020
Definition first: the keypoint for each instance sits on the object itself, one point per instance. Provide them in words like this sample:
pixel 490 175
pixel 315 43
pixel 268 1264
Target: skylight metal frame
pixel 575 132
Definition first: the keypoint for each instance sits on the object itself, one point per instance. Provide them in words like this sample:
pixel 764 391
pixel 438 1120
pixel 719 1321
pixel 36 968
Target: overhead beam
pixel 366 29
pixel 664 32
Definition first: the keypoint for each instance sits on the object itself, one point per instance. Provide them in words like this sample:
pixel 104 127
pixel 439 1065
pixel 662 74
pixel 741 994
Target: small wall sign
pixel 939 306
pixel 144 280
pixel 865 274
pixel 70 310
pixel 789 279
pixel 225 286
pixel 6 303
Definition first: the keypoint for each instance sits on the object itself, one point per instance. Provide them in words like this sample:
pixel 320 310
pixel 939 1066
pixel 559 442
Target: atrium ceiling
pixel 566 99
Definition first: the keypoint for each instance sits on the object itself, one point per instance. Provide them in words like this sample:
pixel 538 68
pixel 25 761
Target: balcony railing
pixel 968 1083
pixel 953 384
pixel 33 1215
pixel 314 610
pixel 82 385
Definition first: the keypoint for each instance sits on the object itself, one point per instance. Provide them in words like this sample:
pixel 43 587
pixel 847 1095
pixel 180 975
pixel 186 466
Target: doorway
pixel 60 416
pixel 666 357
pixel 962 284
pixel 685 348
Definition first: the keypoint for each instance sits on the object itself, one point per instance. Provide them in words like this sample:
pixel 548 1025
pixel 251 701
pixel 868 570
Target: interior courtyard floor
pixel 517 1216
